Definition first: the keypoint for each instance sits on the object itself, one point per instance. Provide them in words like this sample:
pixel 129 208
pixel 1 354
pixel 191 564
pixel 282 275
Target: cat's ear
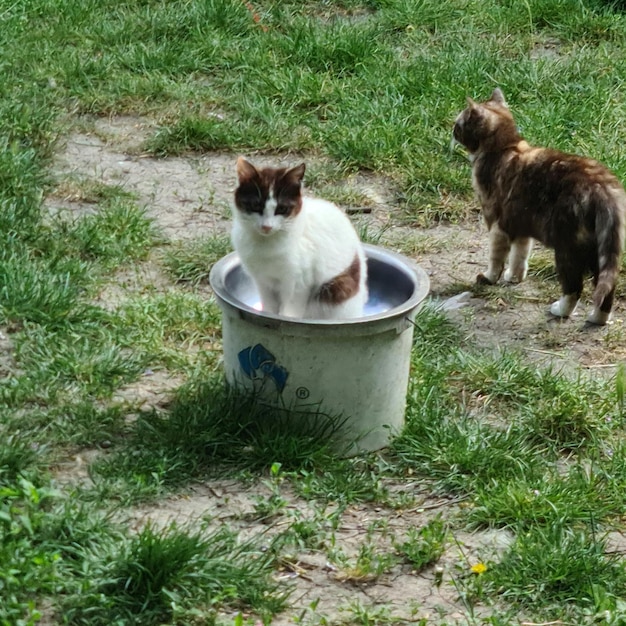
pixel 498 97
pixel 471 104
pixel 296 174
pixel 245 169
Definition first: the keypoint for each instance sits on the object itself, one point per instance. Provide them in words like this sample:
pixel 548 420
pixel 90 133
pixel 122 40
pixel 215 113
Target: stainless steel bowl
pixel 396 286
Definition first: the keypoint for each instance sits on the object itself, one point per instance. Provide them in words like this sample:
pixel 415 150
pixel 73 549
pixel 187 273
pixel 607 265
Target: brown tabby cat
pixel 572 204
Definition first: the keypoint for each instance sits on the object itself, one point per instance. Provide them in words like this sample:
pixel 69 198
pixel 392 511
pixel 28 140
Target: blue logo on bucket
pixel 258 362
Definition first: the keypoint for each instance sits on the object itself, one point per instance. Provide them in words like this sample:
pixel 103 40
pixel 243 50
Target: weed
pixel 17 458
pixel 267 508
pixel 33 290
pixel 119 231
pixel 82 189
pixel 343 481
pixel 367 566
pixel 425 546
pixel 358 613
pixel 549 565
pixel 307 533
pixel 28 567
pixel 158 325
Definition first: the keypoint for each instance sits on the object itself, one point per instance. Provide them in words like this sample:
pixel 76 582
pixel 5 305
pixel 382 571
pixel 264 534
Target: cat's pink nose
pixel 266 229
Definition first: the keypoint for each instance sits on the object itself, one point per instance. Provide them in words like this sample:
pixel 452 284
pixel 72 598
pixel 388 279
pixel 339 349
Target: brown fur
pixel 343 286
pixel 570 203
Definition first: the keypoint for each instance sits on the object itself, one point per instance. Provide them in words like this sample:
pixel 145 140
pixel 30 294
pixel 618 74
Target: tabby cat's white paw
pixel 564 307
pixel 555 309
pixel 511 276
pixel 598 317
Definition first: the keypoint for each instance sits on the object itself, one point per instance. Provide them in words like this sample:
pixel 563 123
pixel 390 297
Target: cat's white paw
pixel 488 278
pixel 564 307
pixel 555 309
pixel 598 317
pixel 517 276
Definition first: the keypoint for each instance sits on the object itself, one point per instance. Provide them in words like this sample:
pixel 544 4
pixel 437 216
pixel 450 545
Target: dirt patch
pixel 335 586
pixel 190 197
pixel 152 390
pixel 7 362
pixel 187 197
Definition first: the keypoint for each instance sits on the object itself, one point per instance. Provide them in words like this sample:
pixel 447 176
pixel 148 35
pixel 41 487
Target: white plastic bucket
pixel 357 369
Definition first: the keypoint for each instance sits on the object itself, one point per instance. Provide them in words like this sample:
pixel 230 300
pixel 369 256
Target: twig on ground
pixel 353 210
pixel 435 505
pixel 546 352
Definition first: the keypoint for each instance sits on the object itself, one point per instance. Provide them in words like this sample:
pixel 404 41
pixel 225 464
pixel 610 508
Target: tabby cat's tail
pixel 610 244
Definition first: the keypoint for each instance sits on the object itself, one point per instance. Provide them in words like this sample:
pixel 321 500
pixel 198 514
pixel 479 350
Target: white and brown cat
pixel 303 253
pixel 571 204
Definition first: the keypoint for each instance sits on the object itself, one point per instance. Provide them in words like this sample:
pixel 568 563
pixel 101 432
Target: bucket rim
pixel 417 274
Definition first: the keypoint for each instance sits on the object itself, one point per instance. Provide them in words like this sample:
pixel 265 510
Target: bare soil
pixel 189 197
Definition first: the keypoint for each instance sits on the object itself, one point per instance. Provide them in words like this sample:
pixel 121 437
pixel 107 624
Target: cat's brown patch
pixel 344 286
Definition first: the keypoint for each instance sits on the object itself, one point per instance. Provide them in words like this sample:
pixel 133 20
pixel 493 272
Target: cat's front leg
pixel 518 260
pixel 293 302
pixel 270 301
pixel 499 246
pixel 294 307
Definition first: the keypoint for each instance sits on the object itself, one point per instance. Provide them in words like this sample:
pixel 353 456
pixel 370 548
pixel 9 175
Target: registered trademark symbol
pixel 302 393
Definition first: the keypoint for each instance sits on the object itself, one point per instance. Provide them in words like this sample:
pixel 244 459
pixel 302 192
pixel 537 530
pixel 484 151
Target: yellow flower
pixel 479 568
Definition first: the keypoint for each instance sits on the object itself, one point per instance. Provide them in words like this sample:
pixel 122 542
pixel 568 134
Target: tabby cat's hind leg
pixel 598 317
pixel 601 315
pixel 571 274
pixel 565 305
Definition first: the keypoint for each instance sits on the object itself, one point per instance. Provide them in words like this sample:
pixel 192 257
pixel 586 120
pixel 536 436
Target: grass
pixel 357 86
pixel 553 564
pixel 425 546
pixel 156 574
pixel 191 261
pixel 211 429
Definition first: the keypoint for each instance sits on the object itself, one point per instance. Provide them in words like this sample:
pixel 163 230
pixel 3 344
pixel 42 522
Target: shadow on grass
pixel 214 430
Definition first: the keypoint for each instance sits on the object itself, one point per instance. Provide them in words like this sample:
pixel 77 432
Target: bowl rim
pixel 412 270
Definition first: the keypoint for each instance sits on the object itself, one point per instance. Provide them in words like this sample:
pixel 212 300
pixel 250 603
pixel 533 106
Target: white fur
pixel 518 261
pixel 565 306
pixel 290 258
pixel 600 318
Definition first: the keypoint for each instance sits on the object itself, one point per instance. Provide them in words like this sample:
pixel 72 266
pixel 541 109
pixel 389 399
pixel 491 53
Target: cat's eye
pixel 282 209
